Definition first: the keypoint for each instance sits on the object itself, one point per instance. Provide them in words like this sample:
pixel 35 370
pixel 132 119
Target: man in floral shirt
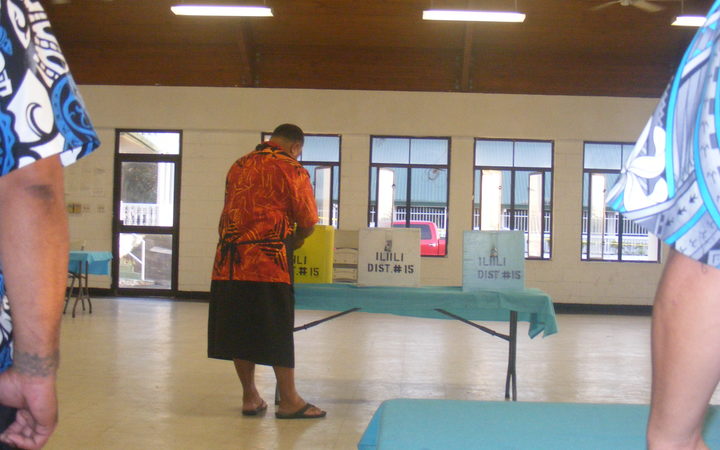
pixel 269 209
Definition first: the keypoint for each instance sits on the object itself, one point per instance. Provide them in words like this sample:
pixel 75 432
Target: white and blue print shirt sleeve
pixel 671 182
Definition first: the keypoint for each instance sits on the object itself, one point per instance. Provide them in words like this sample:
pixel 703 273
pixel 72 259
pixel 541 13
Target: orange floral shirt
pixel 267 192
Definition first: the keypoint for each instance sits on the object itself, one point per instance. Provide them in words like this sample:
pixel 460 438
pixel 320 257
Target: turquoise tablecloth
pixel 98 262
pixel 533 305
pixel 455 424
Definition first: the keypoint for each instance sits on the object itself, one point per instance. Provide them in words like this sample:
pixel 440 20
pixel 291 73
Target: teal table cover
pixel 533 305
pixel 98 262
pixel 404 424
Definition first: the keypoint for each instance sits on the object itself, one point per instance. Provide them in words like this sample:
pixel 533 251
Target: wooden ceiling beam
pixel 465 80
pixel 246 53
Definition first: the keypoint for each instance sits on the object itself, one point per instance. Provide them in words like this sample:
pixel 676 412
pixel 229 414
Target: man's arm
pixel 34 258
pixel 304 208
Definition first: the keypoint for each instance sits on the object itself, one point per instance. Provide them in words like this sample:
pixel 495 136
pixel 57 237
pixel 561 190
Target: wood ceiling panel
pixel 381 69
pixel 563 47
pixel 356 33
pixel 568 76
pixel 157 65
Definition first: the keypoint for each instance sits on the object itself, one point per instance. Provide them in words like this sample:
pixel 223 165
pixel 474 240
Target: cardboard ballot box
pixel 389 257
pixel 493 260
pixel 313 262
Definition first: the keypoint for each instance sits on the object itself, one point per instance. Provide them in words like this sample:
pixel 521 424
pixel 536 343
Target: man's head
pixel 290 137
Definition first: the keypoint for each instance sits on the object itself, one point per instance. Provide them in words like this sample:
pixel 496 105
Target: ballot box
pixel 389 257
pixel 493 260
pixel 313 262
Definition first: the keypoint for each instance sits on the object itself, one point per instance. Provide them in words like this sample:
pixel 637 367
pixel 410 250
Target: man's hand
pixel 300 234
pixel 34 395
pixel 297 242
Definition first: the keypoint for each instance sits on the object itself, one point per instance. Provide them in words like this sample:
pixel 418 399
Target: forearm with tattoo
pixel 34 365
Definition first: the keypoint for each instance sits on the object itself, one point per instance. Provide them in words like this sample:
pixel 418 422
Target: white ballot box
pixel 493 260
pixel 389 257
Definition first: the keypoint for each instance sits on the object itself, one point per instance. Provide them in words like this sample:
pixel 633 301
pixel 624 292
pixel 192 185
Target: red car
pixel 430 241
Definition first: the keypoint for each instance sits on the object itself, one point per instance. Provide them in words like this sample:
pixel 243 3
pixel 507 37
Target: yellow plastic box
pixel 313 262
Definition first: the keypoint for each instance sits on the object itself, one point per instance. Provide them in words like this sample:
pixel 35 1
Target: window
pixel 513 191
pixel 321 158
pixel 409 187
pixel 606 234
pixel 146 205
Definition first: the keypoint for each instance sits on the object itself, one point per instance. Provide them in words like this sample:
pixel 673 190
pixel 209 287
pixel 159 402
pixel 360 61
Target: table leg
pixel 69 292
pixel 511 337
pixel 318 322
pixel 310 325
pixel 510 379
pixel 83 289
pixel 79 295
pixel 87 287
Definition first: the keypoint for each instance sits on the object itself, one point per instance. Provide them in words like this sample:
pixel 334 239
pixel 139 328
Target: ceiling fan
pixel 645 5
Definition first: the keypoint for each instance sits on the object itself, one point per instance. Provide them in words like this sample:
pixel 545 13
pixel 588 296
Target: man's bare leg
pixel 246 372
pixel 686 352
pixel 290 400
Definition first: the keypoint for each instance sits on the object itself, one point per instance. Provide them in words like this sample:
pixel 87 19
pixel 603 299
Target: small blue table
pixel 80 265
pixel 440 302
pixel 403 424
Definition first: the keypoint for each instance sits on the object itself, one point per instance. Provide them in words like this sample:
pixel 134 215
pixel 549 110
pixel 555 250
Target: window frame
pixel 514 170
pixel 622 220
pixel 409 166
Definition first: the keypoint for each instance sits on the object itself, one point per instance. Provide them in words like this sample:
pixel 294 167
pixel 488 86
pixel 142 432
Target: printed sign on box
pixel 389 257
pixel 493 260
pixel 313 262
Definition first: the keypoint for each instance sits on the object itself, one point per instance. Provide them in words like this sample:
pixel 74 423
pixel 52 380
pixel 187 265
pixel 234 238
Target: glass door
pixel 146 202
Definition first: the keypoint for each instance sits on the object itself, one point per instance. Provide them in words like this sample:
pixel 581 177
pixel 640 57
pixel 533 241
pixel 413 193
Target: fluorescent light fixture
pixel 217 10
pixel 473 16
pixel 689 21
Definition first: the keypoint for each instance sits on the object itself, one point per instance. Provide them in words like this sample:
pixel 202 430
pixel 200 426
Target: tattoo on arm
pixel 35 365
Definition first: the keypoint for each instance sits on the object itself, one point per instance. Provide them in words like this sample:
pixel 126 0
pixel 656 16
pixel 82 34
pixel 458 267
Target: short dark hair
pixel 290 132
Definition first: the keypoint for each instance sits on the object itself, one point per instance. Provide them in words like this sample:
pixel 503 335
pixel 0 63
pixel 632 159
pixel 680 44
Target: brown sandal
pixel 300 413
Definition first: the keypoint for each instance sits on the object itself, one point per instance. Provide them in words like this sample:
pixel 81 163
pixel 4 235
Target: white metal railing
pixel 603 238
pixel 324 216
pixel 521 220
pixel 142 214
pixel 423 214
pixel 634 248
pixel 435 214
pixel 438 215
pixel 612 222
pixel 141 259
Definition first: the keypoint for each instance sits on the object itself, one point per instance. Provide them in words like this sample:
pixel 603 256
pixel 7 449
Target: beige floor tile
pixel 135 375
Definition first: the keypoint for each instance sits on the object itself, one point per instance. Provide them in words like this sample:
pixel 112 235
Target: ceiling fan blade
pixel 604 5
pixel 647 6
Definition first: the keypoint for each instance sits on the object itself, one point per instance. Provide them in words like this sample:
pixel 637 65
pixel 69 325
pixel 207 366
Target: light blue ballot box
pixel 493 260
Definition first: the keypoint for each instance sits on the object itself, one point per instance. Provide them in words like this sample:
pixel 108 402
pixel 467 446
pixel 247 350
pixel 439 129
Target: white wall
pixel 221 124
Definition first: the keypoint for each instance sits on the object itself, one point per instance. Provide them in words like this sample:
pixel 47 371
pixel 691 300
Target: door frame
pixel 118 227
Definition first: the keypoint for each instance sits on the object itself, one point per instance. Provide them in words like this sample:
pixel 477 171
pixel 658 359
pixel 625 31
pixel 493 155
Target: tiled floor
pixel 134 374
